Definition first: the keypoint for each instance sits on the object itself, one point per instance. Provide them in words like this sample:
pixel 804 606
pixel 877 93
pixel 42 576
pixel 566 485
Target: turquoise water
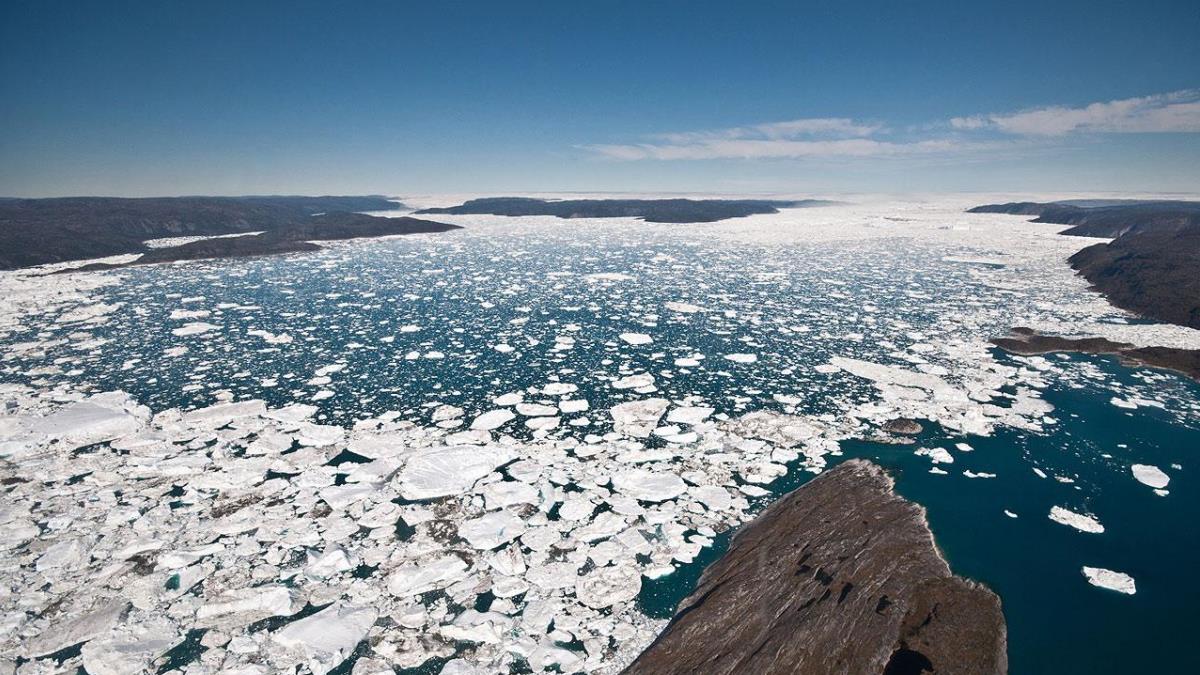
pixel 1057 622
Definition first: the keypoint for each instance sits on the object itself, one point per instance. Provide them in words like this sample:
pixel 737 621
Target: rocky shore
pixel 1028 342
pixel 840 576
pixel 1152 265
pixel 41 231
pixel 650 210
pixel 289 239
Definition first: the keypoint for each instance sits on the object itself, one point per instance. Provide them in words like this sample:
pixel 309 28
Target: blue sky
pixel 159 98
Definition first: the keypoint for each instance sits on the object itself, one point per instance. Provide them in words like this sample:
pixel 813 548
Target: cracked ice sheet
pixel 243 495
pixel 223 539
pixel 525 283
pixel 437 524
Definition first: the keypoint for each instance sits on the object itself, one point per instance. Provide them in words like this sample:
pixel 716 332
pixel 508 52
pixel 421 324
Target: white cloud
pixel 969 123
pixel 843 137
pixel 830 127
pixel 827 126
pixel 776 149
pixel 807 137
pixel 1174 112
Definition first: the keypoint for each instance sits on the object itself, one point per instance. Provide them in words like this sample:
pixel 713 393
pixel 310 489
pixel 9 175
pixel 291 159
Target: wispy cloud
pixel 776 148
pixel 828 127
pixel 1174 112
pixel 844 137
pixel 808 137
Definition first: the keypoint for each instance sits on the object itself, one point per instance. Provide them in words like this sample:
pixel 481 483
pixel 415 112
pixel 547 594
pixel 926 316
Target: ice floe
pixel 1150 475
pixel 493 419
pixel 1079 521
pixel 443 471
pixel 647 485
pixel 194 328
pixel 1113 581
pixel 491 529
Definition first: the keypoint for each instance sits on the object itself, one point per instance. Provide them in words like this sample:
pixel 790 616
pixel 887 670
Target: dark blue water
pixel 1057 622
pixel 463 300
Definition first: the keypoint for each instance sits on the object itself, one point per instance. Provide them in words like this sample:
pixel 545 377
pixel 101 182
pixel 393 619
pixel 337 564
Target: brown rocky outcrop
pixel 840 576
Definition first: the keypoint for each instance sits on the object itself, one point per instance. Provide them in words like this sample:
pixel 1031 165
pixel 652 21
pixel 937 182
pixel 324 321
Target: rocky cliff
pixel 1152 265
pixel 839 576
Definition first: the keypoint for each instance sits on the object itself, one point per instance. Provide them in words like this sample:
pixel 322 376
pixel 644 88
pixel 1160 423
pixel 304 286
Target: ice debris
pixel 1152 476
pixel 1079 521
pixel 1113 581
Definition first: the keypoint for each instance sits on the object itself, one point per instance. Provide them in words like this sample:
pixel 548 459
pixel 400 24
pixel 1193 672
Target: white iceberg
pixel 246 605
pixel 608 586
pixel 450 470
pixel 1152 476
pixel 491 530
pixel 493 419
pixel 327 638
pixel 415 579
pixel 638 418
pixel 1076 520
pixel 648 486
pixel 1113 581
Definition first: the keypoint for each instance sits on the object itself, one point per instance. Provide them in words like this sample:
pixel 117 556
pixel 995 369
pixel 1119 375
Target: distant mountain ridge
pixel 1152 266
pixel 287 239
pixel 650 210
pixel 39 231
pixel 1103 218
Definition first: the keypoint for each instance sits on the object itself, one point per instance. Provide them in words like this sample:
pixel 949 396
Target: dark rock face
pixel 650 210
pixel 1152 267
pixel 840 576
pixel 287 239
pixel 904 426
pixel 1028 342
pixel 1104 218
pixel 1155 273
pixel 38 231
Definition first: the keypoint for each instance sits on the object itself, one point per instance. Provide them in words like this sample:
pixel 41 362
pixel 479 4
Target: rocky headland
pixel 839 576
pixel 1152 265
pixel 288 239
pixel 1103 218
pixel 650 210
pixel 1028 342
pixel 41 231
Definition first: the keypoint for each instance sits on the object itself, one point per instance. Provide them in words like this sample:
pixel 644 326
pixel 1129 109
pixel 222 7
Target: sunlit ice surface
pixel 522 440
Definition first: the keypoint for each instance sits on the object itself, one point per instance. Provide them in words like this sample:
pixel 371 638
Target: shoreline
pixel 1024 341
pixel 949 376
pixel 1147 266
pixel 282 241
pixel 881 596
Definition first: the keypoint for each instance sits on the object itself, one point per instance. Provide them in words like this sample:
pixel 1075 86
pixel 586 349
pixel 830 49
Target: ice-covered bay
pixel 492 437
